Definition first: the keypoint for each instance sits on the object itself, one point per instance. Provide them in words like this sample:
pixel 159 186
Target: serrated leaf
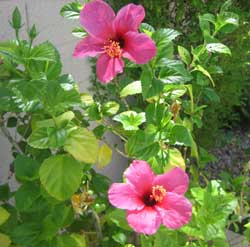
pixel 218 48
pixel 43 52
pixel 104 156
pixel 71 10
pixel 130 120
pixel 83 145
pixel 79 32
pixel 61 176
pixel 180 135
pixel 184 54
pixel 142 146
pixel 205 72
pixel 28 198
pixel 146 28
pixel 131 89
pixel 110 108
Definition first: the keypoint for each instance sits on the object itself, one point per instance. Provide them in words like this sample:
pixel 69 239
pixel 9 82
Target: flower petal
pixel 138 47
pixel 175 181
pixel 140 176
pixel 129 18
pixel 175 210
pixel 146 221
pixel 107 68
pixel 97 19
pixel 123 196
pixel 88 46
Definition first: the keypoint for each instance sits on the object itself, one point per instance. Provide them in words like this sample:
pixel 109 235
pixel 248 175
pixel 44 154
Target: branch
pixel 9 137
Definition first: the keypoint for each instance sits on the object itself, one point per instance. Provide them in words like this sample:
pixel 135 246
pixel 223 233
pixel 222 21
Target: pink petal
pixel 129 18
pixel 138 47
pixel 175 210
pixel 146 221
pixel 97 19
pixel 123 196
pixel 88 46
pixel 107 68
pixel 175 181
pixel 140 176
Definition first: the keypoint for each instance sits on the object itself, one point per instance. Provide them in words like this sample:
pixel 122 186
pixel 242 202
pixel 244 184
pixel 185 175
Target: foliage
pixel 154 109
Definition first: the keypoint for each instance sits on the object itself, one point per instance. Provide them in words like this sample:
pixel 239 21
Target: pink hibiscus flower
pixel 113 37
pixel 152 200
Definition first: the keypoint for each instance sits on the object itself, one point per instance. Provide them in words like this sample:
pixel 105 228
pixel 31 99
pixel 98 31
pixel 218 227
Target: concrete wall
pixel 52 27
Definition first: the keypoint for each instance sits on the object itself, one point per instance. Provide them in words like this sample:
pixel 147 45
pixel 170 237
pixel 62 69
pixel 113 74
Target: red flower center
pixel 157 195
pixel 113 49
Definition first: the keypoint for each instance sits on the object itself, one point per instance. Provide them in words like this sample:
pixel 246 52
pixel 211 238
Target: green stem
pixel 97 225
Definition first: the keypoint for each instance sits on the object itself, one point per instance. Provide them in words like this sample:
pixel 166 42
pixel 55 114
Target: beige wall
pixel 52 27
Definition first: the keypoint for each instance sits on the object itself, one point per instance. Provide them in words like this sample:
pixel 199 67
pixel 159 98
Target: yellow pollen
pixel 113 49
pixel 158 193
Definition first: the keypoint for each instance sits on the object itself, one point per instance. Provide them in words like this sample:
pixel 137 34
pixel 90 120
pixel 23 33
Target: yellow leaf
pixel 104 156
pixel 82 145
pixel 4 215
pixel 175 159
pixel 4 240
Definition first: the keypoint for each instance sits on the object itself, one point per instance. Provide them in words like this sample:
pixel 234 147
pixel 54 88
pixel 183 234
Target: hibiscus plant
pixel 153 108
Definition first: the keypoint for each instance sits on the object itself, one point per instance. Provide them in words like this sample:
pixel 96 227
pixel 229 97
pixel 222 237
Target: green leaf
pixel 4 215
pixel 50 137
pixel 163 38
pixel 61 176
pixel 5 193
pixel 71 240
pixel 142 146
pixel 146 28
pixel 26 169
pixel 180 135
pixel 118 217
pixel 131 89
pixel 130 120
pixel 120 238
pixel 218 48
pixel 110 108
pixel 26 234
pixel 71 10
pixel 79 32
pixel 16 19
pixel 60 97
pixel 83 145
pixel 43 52
pixel 28 198
pixel 39 67
pixel 104 156
pixel 205 72
pixel 227 22
pixel 4 240
pixel 165 35
pixel 211 95
pixel 184 55
pixel 150 86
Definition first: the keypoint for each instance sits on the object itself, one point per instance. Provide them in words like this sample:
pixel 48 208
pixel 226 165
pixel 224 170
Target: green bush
pixel 233 86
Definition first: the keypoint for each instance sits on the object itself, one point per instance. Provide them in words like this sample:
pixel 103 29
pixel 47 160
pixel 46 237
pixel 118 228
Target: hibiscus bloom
pixel 113 37
pixel 152 200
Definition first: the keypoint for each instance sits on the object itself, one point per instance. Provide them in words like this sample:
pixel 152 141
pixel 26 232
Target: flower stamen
pixel 113 49
pixel 158 193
